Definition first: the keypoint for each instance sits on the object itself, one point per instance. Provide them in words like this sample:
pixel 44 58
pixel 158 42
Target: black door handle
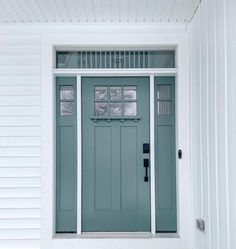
pixel 146 165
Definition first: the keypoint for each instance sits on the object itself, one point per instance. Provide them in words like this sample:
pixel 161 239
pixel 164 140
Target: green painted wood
pixel 115 197
pixel 165 153
pixel 66 161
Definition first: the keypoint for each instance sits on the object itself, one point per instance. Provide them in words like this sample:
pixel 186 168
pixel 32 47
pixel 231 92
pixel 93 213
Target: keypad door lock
pixel 146 148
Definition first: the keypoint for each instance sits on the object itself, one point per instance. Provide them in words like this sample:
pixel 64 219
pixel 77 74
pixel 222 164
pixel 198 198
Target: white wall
pixel 213 118
pixel 21 128
pixel 19 141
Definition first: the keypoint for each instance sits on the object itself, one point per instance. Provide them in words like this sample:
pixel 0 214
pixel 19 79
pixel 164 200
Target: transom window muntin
pixel 115 101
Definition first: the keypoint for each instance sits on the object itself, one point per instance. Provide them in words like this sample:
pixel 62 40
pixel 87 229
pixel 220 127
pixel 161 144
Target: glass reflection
pixel 66 108
pixel 101 109
pixel 163 92
pixel 130 93
pixel 66 93
pixel 100 93
pixel 115 93
pixel 130 109
pixel 115 109
pixel 163 107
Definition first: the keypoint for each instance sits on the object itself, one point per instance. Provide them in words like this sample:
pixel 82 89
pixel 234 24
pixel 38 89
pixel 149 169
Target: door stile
pixel 152 155
pixel 79 158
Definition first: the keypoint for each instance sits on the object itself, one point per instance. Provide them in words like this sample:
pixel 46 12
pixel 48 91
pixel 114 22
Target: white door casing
pixel 138 39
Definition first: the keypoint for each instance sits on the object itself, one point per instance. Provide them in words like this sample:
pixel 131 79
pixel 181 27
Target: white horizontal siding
pixel 13 182
pixel 20 80
pixel 20 172
pixel 19 131
pixel 28 161
pixel 20 141
pixel 19 151
pixel 23 234
pixel 20 121
pixel 14 60
pixel 213 136
pixel 19 50
pixel 19 90
pixel 28 243
pixel 20 70
pixel 24 192
pixel 21 223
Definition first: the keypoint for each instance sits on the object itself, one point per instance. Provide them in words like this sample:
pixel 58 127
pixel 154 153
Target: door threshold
pixel 116 235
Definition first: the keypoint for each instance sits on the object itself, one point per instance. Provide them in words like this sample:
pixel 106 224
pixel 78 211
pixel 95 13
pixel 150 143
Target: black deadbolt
pixel 146 148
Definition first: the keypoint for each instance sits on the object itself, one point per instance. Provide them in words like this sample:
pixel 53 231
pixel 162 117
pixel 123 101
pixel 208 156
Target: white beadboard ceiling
pixel 97 11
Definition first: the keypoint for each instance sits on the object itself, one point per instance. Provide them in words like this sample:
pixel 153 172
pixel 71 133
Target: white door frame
pixel 93 73
pixel 184 209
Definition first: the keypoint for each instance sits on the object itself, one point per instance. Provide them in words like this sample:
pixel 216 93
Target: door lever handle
pixel 146 165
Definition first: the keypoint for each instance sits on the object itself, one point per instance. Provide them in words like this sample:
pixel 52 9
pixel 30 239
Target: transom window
pixel 116 59
pixel 115 101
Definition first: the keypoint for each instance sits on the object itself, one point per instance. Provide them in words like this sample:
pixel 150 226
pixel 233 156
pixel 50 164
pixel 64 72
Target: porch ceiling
pixel 97 11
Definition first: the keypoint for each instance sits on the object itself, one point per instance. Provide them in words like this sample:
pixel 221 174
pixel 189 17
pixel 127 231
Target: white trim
pixel 184 207
pixel 79 158
pixel 124 72
pixel 69 28
pixel 126 235
pixel 152 155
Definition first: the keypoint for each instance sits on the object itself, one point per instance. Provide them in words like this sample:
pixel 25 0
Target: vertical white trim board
pixel 79 157
pixel 152 155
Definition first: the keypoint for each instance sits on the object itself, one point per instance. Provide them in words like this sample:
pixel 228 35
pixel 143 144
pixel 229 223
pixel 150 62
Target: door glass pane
pixel 161 59
pixel 115 109
pixel 130 93
pixel 130 108
pixel 66 93
pixel 100 93
pixel 163 107
pixel 101 109
pixel 66 108
pixel 163 92
pixel 115 93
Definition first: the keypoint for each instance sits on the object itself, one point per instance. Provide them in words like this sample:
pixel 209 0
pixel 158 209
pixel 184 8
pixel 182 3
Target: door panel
pixel 128 156
pixel 166 216
pixel 103 168
pixel 115 124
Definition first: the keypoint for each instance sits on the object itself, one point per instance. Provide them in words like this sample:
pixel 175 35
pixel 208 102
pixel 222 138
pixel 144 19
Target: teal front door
pixel 115 156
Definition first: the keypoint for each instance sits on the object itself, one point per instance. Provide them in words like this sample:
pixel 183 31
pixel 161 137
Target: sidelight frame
pixel 51 42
